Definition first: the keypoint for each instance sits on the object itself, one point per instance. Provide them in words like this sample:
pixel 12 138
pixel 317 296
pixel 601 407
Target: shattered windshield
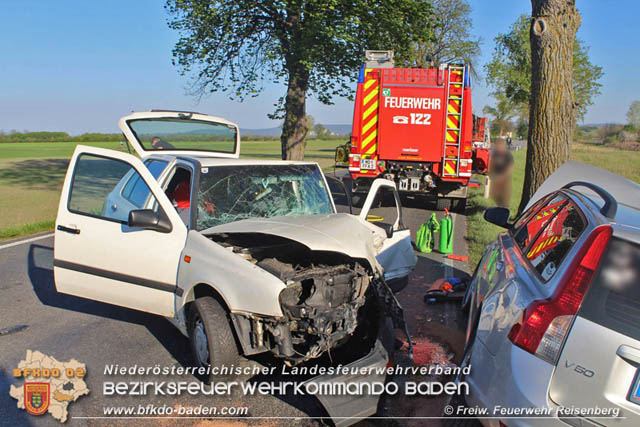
pixel 232 193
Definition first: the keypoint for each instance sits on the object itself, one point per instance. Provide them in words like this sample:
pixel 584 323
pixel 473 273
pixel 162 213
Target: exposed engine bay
pixel 329 299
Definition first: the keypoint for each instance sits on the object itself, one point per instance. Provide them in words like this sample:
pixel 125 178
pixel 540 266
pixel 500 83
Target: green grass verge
pixel 25 230
pixel 480 232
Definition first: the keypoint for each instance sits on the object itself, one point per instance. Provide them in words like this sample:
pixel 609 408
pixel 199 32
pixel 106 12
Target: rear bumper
pixel 508 383
pixel 449 187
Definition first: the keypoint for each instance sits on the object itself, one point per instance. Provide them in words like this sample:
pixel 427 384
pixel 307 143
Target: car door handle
pixel 629 354
pixel 68 229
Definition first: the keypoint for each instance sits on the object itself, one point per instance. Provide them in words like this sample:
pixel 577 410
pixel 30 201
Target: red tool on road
pixel 458 257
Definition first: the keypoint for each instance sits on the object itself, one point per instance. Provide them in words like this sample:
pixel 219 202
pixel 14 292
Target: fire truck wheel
pixel 442 204
pixel 459 205
pixel 357 199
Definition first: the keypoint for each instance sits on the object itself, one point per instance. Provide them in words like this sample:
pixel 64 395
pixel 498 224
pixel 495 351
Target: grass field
pixel 31 176
pixel 622 162
pixel 480 232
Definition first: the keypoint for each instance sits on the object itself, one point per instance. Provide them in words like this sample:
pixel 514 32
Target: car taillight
pixel 545 323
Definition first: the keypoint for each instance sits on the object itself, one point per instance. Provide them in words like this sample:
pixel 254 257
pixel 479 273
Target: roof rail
pixel 610 204
pixel 173 111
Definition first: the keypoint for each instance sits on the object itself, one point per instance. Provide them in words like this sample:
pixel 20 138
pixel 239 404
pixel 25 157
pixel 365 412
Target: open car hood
pixel 341 232
pixel 181 133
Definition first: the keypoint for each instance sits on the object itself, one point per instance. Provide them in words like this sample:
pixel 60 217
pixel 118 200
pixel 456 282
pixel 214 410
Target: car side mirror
pixel 150 220
pixel 388 228
pixel 498 215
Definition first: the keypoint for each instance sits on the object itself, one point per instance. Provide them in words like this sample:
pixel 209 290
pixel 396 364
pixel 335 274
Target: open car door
pixel 396 255
pixel 181 133
pixel 97 255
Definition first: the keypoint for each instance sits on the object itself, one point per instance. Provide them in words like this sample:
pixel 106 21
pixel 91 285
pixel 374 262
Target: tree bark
pixel 294 128
pixel 552 107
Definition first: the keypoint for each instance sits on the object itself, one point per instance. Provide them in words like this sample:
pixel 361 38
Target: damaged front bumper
pixel 329 300
pixel 346 409
pixel 343 408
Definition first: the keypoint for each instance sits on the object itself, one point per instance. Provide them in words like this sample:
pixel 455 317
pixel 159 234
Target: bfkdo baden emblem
pixel 36 398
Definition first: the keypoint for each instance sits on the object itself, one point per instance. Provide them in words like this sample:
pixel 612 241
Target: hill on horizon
pixel 276 131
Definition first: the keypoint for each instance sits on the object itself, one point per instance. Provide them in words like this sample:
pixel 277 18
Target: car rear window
pixel 553 242
pixel 527 227
pixel 526 215
pixel 613 300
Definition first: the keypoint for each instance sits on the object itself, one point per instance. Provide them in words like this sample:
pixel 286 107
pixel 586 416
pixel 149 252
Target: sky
pixel 78 66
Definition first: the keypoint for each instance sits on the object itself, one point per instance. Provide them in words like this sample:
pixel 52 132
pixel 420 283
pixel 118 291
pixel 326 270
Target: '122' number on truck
pixel 420 119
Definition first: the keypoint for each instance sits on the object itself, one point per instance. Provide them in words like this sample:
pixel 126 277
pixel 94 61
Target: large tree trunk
pixel 294 128
pixel 552 108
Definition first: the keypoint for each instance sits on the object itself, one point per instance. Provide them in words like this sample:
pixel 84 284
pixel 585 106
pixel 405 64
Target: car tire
pixel 396 285
pixel 210 336
pixel 459 205
pixel 357 199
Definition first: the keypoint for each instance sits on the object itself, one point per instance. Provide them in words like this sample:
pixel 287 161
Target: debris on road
pixel 452 289
pixel 12 329
pixel 428 352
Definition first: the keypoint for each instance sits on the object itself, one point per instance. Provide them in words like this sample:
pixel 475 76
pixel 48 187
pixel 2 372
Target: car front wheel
pixel 210 336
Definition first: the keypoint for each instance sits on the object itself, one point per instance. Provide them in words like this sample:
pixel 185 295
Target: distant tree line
pixel 45 136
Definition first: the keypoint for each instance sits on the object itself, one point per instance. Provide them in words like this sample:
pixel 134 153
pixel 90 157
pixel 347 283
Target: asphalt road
pixel 98 334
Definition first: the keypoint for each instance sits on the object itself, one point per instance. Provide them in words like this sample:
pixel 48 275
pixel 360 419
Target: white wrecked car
pixel 243 256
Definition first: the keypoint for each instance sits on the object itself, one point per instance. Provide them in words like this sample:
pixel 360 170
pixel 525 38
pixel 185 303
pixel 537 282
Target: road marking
pixel 21 242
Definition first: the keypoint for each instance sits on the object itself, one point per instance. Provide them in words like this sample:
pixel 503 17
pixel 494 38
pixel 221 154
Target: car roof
pixel 624 191
pixel 213 161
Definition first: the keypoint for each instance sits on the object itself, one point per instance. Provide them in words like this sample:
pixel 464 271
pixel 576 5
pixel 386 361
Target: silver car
pixel 554 319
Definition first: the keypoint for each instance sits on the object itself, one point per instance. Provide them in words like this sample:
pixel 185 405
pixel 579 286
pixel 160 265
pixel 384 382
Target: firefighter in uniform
pixel 500 172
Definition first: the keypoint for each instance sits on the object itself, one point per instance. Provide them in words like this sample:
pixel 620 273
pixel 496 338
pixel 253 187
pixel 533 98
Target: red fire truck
pixel 413 126
pixel 481 144
pixel 480 131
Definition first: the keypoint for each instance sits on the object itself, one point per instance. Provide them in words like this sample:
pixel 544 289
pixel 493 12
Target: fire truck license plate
pixel 369 164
